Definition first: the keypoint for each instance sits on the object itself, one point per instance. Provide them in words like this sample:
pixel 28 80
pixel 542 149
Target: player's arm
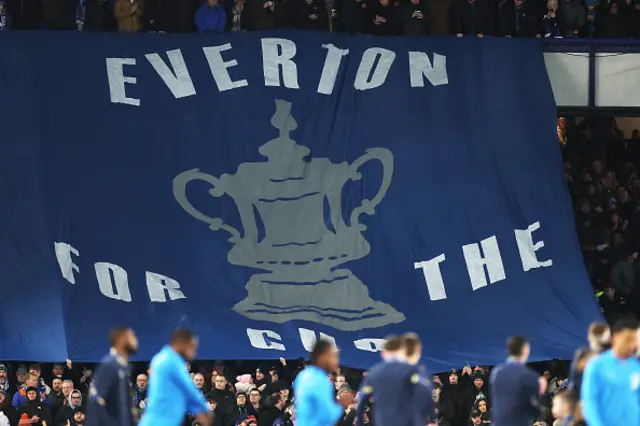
pixel 196 404
pixel 328 411
pixel 589 395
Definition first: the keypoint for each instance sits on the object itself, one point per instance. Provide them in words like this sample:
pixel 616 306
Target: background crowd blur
pixel 509 18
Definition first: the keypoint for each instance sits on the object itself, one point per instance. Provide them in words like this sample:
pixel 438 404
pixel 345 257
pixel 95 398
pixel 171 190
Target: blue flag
pixel 266 189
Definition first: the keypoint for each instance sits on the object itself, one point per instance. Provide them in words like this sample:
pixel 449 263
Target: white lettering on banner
pixel 476 263
pixel 113 281
pixel 420 66
pixel 63 254
pixel 433 277
pixel 330 69
pixel 117 81
pixel 178 80
pixel 279 69
pixel 374 68
pixel 220 68
pixel 160 286
pixel 269 339
pixel 272 61
pixel 310 337
pixel 524 238
pixel 492 260
pixel 265 339
pixel 370 345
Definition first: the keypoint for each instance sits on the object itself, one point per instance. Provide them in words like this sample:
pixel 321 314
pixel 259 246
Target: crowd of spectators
pixel 509 18
pixel 239 393
pixel 606 196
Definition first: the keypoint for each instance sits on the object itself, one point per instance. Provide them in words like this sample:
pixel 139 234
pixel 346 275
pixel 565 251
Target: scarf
pixel 3 15
pixel 236 24
pixel 81 10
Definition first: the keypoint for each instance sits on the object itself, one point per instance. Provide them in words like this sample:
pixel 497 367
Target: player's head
pixel 124 340
pixel 185 343
pixel 625 337
pixel 325 355
pixel 518 347
pixel 393 348
pixel 564 404
pixel 412 348
pixel 599 337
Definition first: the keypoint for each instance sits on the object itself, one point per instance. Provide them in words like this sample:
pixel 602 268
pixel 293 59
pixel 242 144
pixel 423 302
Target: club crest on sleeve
pixel 415 378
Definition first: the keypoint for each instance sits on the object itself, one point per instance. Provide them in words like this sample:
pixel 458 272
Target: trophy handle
pixel 368 206
pixel 180 193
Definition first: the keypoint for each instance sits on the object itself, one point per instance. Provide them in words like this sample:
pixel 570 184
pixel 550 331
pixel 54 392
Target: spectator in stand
pixel 273 408
pixel 383 18
pixel 518 19
pixel 310 15
pixel 254 399
pixel 78 418
pixel 225 400
pixel 67 411
pixel 140 390
pixel 129 13
pixel 56 397
pixel 32 381
pixel 7 410
pixel 4 379
pixel 414 17
pixel 475 17
pixel 572 17
pixel 237 17
pixel 261 15
pixel 442 16
pixel 350 16
pixel 211 17
pixel 199 382
pixel 445 412
pixel 35 408
pixel 474 393
pixel 452 394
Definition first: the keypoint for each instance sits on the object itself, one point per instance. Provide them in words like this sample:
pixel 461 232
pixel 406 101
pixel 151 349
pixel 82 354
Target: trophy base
pixel 340 301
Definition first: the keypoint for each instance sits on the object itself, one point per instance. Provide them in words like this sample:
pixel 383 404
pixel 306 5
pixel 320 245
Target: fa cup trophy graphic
pixel 299 252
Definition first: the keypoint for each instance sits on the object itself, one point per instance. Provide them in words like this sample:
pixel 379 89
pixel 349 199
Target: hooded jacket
pixel 67 410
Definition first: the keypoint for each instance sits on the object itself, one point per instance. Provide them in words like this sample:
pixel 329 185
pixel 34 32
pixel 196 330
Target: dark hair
pixel 476 413
pixel 624 324
pixel 515 345
pixel 411 343
pixel 393 343
pixel 35 367
pixel 116 334
pixel 182 335
pixel 321 347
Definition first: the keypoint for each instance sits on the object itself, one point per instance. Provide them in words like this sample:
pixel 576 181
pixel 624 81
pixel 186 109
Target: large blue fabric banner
pixel 265 189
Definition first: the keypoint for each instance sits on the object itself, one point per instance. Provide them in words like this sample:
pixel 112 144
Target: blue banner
pixel 265 189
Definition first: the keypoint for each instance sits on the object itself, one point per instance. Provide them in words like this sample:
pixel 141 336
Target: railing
pixel 595 76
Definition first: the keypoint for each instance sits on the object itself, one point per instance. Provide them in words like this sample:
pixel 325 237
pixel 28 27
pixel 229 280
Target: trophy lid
pixel 283 149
